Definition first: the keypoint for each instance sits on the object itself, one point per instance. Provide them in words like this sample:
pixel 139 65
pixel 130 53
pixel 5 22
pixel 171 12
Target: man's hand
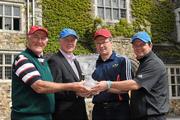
pixel 101 86
pixel 79 88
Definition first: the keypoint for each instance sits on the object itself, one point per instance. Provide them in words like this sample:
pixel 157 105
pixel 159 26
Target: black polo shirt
pixel 152 98
pixel 115 68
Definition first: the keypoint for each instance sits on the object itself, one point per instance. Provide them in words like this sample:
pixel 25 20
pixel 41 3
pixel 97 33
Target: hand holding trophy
pixel 88 68
pixel 89 82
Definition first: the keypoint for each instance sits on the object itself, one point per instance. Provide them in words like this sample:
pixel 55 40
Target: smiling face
pixel 68 44
pixel 103 46
pixel 37 41
pixel 141 48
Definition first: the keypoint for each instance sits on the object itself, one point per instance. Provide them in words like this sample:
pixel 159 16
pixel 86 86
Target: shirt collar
pixel 32 53
pixel 111 58
pixel 68 56
pixel 145 57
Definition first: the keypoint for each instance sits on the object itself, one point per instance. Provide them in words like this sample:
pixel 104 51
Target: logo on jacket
pixel 114 65
pixel 139 76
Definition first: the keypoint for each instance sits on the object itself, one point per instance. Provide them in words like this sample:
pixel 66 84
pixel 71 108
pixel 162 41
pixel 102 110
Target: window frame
pixel 4 65
pixel 112 8
pixel 174 67
pixel 12 16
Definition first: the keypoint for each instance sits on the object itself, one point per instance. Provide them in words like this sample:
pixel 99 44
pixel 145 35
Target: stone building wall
pixel 123 46
pixel 15 41
pixel 174 107
pixel 5 101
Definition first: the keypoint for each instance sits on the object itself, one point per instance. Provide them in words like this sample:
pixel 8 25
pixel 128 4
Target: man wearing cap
pixel 110 104
pixel 149 96
pixel 32 85
pixel 66 69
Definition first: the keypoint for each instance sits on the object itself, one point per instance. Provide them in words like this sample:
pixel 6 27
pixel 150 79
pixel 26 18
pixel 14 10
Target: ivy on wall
pixel 158 18
pixel 59 14
pixel 155 17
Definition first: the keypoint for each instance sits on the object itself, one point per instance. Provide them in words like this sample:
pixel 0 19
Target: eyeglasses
pixel 102 43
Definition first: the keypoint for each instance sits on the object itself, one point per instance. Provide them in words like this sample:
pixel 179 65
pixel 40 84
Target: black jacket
pixel 69 106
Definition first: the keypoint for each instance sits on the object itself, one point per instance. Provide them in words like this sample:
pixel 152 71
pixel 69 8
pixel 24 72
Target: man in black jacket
pixel 66 69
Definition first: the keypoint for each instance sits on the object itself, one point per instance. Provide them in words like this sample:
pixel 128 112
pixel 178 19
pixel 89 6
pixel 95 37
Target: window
pixel 6 60
pixel 10 18
pixel 111 9
pixel 174 81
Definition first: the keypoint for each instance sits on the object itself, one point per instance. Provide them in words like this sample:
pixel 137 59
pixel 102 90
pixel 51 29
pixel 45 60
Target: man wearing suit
pixel 66 69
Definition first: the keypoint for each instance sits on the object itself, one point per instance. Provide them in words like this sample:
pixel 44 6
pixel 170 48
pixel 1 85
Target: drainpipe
pixel 33 12
pixel 27 15
pixel 128 9
pixel 177 13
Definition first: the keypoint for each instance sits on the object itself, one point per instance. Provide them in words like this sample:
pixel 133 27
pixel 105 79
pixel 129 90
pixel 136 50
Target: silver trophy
pixel 87 64
pixel 89 82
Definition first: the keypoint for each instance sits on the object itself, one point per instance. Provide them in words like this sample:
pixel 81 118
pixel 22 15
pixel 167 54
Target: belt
pixel 66 99
pixel 110 104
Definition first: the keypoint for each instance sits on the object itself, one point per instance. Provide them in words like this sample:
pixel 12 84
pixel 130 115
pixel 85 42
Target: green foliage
pixel 81 49
pixel 52 47
pixel 163 22
pixel 123 28
pixel 155 17
pixel 58 14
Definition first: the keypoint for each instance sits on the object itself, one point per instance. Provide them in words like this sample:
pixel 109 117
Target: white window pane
pixel 115 14
pixel 108 3
pixel 8 59
pixel 1 10
pixel 16 25
pixel 16 11
pixel 108 13
pixel 7 72
pixel 178 80
pixel 1 59
pixel 173 91
pixel 115 3
pixel 101 12
pixel 177 70
pixel 100 2
pixel 0 72
pixel 1 22
pixel 8 10
pixel 172 70
pixel 172 80
pixel 8 23
pixel 178 90
pixel 123 4
pixel 123 13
